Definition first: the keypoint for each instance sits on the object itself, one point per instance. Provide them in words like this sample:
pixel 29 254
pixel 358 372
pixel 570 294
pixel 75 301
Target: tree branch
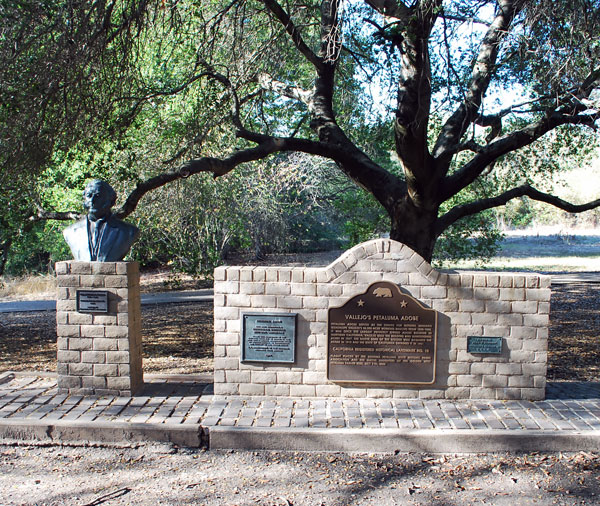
pixel 266 82
pixel 290 28
pixel 219 167
pixel 483 68
pixel 463 210
pixel 390 8
pixel 510 142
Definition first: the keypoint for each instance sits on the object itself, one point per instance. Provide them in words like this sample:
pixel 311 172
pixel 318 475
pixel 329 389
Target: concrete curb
pixel 189 435
pixel 397 440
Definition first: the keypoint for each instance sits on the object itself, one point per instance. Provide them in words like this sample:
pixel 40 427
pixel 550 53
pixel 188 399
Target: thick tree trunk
pixel 414 227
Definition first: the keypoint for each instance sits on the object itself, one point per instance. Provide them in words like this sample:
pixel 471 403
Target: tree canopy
pixel 439 109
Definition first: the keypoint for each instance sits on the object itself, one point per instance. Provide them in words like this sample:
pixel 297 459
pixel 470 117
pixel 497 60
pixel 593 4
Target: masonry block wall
pixel 99 353
pixel 513 306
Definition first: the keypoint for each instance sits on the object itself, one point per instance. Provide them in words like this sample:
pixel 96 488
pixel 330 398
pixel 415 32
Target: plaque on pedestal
pixel 269 337
pixel 382 336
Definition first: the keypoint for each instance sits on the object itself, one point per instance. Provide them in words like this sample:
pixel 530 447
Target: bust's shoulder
pixel 122 226
pixel 75 227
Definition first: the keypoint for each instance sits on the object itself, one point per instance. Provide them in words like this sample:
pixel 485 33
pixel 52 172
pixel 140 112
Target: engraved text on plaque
pixel 382 336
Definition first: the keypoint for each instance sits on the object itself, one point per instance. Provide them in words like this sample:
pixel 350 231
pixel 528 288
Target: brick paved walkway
pixel 568 407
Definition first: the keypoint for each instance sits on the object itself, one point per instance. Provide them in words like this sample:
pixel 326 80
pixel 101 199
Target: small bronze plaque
pixel 488 345
pixel 92 301
pixel 382 336
pixel 269 337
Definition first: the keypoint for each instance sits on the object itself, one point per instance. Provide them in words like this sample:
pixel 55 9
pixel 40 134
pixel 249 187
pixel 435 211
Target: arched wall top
pixel 386 250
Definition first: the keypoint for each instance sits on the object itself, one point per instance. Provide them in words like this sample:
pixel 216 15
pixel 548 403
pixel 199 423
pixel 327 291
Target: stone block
pixel 495 381
pixel 289 377
pixel 479 368
pixel 264 301
pixel 252 288
pixel 220 274
pixel 314 378
pixel 329 290
pixel 227 389
pixel 509 369
pixel 68 330
pixel 105 268
pixel 80 369
pixel 68 382
pixel 536 320
pixel 238 376
pixel 116 331
pixel 227 287
pixel 483 393
pixel 251 389
pixel 118 383
pixel 93 382
pixel 328 390
pixel 520 381
pixel 432 393
pixel 457 393
pixel 263 377
pixel 227 338
pixel 353 392
pixel 61 268
pixel 68 280
pixel 105 319
pixel 117 357
pixel 79 318
pixel 68 356
pixel 80 344
pixel 486 293
pixel 290 302
pixel 123 344
pixel 93 357
pixel 92 331
pixel 471 306
pixel 277 390
pixel 93 281
pixel 469 380
pixel 379 393
pixel 302 390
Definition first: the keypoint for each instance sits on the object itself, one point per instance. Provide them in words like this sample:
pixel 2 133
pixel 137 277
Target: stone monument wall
pixel 99 353
pixel 512 306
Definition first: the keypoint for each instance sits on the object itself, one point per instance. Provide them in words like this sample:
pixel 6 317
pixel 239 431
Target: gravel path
pixel 162 474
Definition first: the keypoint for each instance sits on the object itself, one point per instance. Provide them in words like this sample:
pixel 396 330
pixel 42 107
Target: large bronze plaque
pixel 382 336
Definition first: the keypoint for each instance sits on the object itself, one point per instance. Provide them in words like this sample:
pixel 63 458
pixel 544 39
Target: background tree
pixel 449 90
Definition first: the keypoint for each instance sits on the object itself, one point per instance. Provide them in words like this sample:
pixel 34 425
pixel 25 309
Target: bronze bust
pixel 100 237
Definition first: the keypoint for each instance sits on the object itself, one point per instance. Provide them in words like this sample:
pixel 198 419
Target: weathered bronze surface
pixel 382 336
pixel 269 337
pixel 100 237
pixel 487 345
pixel 92 301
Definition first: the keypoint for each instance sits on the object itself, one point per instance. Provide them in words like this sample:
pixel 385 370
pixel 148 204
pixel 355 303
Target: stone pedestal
pixel 99 353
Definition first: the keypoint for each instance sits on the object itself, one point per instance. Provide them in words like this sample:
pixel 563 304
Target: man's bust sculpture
pixel 100 237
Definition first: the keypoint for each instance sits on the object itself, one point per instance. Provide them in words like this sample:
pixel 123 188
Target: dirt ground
pixel 163 474
pixel 177 338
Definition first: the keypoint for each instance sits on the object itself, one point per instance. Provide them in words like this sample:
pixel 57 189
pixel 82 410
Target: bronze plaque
pixel 92 301
pixel 382 336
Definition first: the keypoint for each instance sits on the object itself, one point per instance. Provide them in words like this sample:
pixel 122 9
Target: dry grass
pixel 41 286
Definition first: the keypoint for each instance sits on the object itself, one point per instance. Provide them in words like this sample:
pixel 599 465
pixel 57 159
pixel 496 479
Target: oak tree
pixel 458 86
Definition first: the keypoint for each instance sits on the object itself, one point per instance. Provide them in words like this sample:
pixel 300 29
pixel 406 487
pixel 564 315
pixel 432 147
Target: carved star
pixel 403 303
pixel 361 302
